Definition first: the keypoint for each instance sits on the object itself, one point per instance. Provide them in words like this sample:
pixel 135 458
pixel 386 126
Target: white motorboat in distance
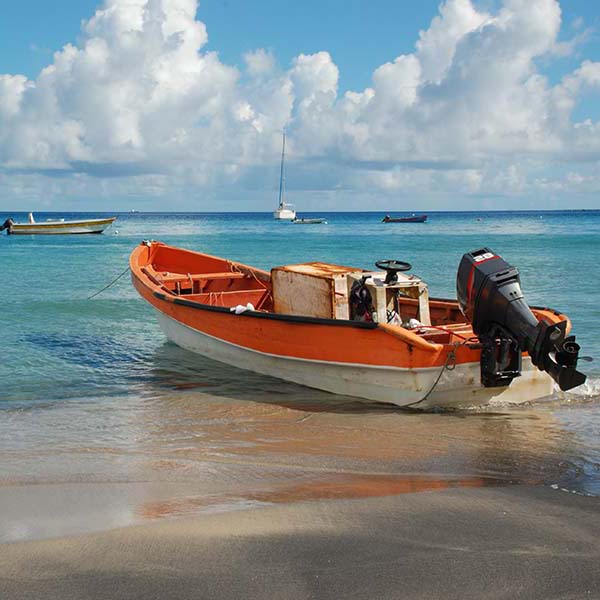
pixel 56 226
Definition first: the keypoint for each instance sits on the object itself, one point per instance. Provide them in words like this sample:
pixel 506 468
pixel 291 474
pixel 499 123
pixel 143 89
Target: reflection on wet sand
pixel 346 486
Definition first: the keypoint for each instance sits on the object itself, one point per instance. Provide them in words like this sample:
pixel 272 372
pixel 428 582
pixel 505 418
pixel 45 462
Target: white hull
pixel 284 214
pixel 403 387
pixel 61 227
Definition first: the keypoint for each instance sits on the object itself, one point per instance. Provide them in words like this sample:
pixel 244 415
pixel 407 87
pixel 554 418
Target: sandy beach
pixel 497 542
pixel 312 496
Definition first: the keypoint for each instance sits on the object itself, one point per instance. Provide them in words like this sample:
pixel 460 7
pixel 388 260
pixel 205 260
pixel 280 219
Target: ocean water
pixel 90 391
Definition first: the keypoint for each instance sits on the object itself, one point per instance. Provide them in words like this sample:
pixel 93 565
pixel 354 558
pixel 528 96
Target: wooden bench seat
pixel 182 277
pixel 229 299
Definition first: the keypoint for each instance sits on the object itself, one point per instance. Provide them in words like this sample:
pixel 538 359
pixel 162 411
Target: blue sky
pixel 359 34
pixel 234 27
pixel 355 38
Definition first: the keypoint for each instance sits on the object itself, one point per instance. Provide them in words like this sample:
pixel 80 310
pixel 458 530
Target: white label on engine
pixel 484 256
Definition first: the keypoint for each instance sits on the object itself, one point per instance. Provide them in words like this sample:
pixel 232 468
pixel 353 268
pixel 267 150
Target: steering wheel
pixel 392 268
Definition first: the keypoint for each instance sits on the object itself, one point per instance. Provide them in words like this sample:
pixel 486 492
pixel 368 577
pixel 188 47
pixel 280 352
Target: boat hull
pixel 309 221
pixel 62 227
pixel 284 214
pixel 418 219
pixel 402 387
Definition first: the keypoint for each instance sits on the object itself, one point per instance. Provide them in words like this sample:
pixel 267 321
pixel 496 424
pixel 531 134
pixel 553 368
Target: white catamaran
pixel 283 212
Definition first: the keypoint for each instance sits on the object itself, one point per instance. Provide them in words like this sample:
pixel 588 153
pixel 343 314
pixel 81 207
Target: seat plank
pixel 171 277
pixel 229 299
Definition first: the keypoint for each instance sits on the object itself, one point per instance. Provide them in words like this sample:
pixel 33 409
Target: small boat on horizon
pixel 284 211
pixel 309 221
pixel 369 334
pixel 56 226
pixel 412 219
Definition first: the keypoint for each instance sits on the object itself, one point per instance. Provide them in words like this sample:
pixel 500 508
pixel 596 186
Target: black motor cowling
pixel 8 224
pixel 489 295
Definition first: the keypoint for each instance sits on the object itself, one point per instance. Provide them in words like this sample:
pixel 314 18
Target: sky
pixel 179 105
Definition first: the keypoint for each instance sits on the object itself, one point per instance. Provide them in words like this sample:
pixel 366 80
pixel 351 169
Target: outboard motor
pixel 7 225
pixel 489 295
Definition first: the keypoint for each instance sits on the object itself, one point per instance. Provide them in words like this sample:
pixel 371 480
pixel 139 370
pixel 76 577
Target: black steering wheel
pixel 392 268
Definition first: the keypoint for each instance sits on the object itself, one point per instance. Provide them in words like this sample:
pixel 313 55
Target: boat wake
pixel 585 394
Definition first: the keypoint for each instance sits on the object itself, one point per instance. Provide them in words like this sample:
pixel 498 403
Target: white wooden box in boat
pixel 311 290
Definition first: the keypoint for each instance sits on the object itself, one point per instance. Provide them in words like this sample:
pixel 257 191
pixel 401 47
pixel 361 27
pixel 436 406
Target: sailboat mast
pixel 281 173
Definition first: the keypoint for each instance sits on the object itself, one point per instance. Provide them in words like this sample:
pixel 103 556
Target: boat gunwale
pixel 264 315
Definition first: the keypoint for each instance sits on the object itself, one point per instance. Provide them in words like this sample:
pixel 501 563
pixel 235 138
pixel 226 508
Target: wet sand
pixel 495 542
pixel 215 483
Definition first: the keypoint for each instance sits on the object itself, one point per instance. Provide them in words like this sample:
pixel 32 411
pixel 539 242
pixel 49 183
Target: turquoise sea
pixel 90 391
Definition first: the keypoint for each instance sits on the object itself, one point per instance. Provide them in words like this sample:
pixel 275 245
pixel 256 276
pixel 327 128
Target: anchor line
pixel 109 285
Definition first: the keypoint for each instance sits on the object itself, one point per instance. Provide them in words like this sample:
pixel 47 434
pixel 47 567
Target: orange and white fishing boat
pixel 370 334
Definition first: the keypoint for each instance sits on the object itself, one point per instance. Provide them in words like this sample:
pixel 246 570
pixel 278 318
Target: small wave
pixel 589 391
pixel 95 351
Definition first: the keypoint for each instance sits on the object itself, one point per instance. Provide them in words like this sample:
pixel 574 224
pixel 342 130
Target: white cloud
pixel 437 45
pixel 260 62
pixel 139 107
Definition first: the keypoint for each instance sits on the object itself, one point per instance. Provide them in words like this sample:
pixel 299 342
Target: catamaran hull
pixel 284 214
pixel 394 385
pixel 61 227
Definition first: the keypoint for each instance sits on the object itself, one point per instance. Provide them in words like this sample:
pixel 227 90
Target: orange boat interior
pixel 214 281
pixel 209 280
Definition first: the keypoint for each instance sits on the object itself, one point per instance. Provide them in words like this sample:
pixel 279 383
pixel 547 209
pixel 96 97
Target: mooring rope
pixel 107 286
pixel 449 365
